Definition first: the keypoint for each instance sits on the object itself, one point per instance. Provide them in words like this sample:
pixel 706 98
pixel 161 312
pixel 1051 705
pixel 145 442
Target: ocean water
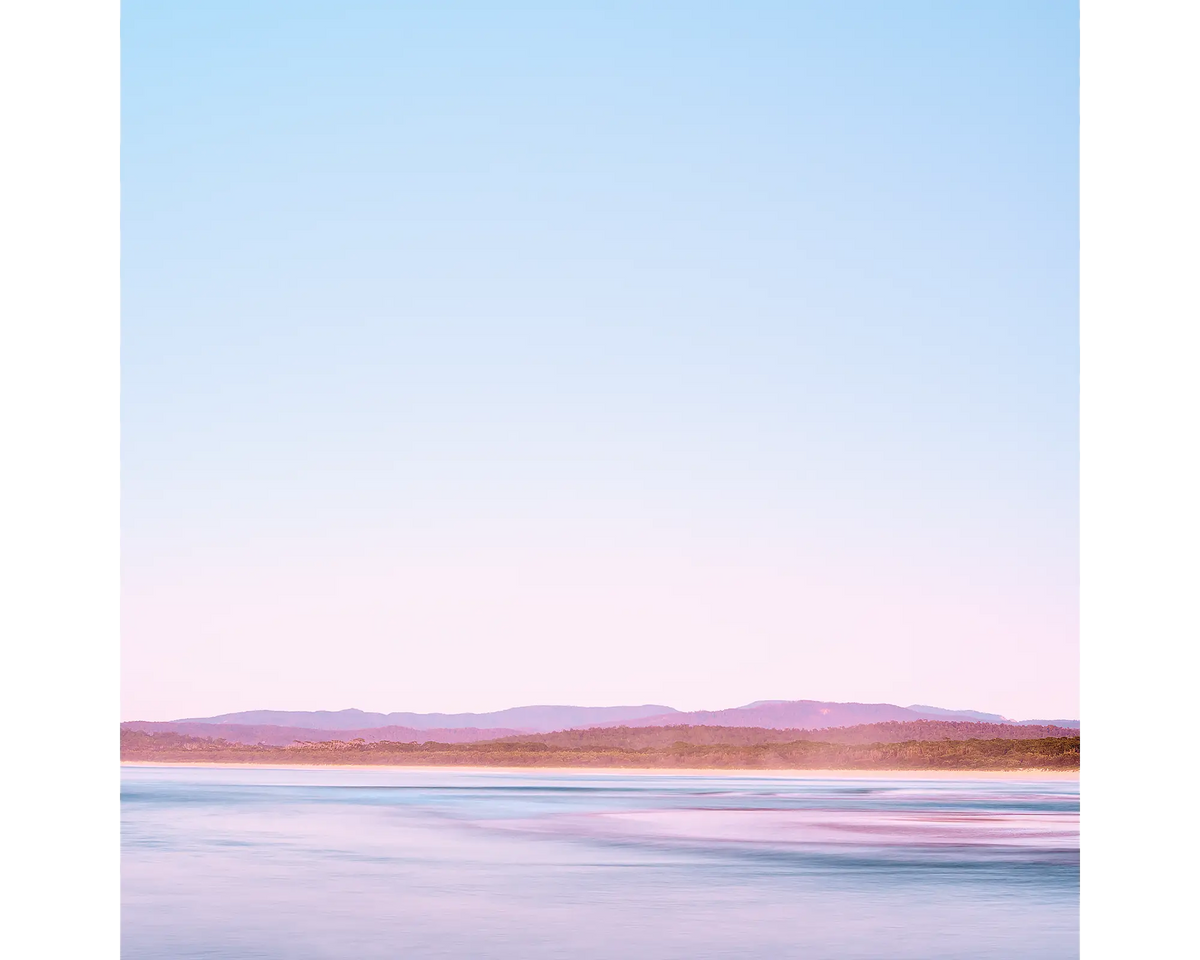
pixel 244 863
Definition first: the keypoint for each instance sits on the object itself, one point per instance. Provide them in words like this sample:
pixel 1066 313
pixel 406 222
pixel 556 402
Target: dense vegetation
pixel 1059 753
pixel 895 731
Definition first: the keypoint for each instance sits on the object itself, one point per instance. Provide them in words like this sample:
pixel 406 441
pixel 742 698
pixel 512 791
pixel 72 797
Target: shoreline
pixel 790 774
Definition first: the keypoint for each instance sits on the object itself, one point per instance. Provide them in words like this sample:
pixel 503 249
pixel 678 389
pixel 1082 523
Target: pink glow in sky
pixel 586 615
pixel 694 357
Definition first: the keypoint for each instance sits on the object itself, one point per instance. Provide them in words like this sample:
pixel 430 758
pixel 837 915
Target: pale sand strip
pixel 796 774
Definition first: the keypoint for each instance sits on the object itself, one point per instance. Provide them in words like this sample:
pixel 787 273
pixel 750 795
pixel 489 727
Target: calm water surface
pixel 238 864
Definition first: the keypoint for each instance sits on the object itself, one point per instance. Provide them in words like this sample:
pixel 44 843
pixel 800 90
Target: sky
pixel 477 355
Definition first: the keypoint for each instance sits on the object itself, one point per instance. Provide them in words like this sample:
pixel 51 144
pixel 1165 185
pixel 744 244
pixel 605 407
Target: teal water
pixel 239 864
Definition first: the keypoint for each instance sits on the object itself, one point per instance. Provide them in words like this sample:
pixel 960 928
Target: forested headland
pixel 717 748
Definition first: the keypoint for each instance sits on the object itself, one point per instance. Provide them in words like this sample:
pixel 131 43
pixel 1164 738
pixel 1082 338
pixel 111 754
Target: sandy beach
pixel 798 774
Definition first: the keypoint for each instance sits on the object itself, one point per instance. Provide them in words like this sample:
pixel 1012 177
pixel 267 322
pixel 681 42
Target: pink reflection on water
pixel 1056 830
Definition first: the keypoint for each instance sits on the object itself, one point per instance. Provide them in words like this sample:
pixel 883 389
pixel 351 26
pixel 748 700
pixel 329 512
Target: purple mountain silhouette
pixel 537 719
pixel 281 727
pixel 800 714
pixel 276 736
pixel 818 714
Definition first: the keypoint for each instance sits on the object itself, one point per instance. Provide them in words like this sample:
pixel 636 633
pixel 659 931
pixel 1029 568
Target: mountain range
pixel 282 727
pixel 539 719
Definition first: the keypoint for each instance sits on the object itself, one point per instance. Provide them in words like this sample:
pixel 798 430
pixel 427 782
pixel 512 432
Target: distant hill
pixel 283 736
pixel 1073 724
pixel 990 717
pixel 959 714
pixel 281 727
pixel 808 714
pixel 536 719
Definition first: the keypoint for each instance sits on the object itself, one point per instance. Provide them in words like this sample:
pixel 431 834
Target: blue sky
pixel 588 285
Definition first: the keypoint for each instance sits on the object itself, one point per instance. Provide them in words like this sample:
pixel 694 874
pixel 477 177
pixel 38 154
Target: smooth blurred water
pixel 244 863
